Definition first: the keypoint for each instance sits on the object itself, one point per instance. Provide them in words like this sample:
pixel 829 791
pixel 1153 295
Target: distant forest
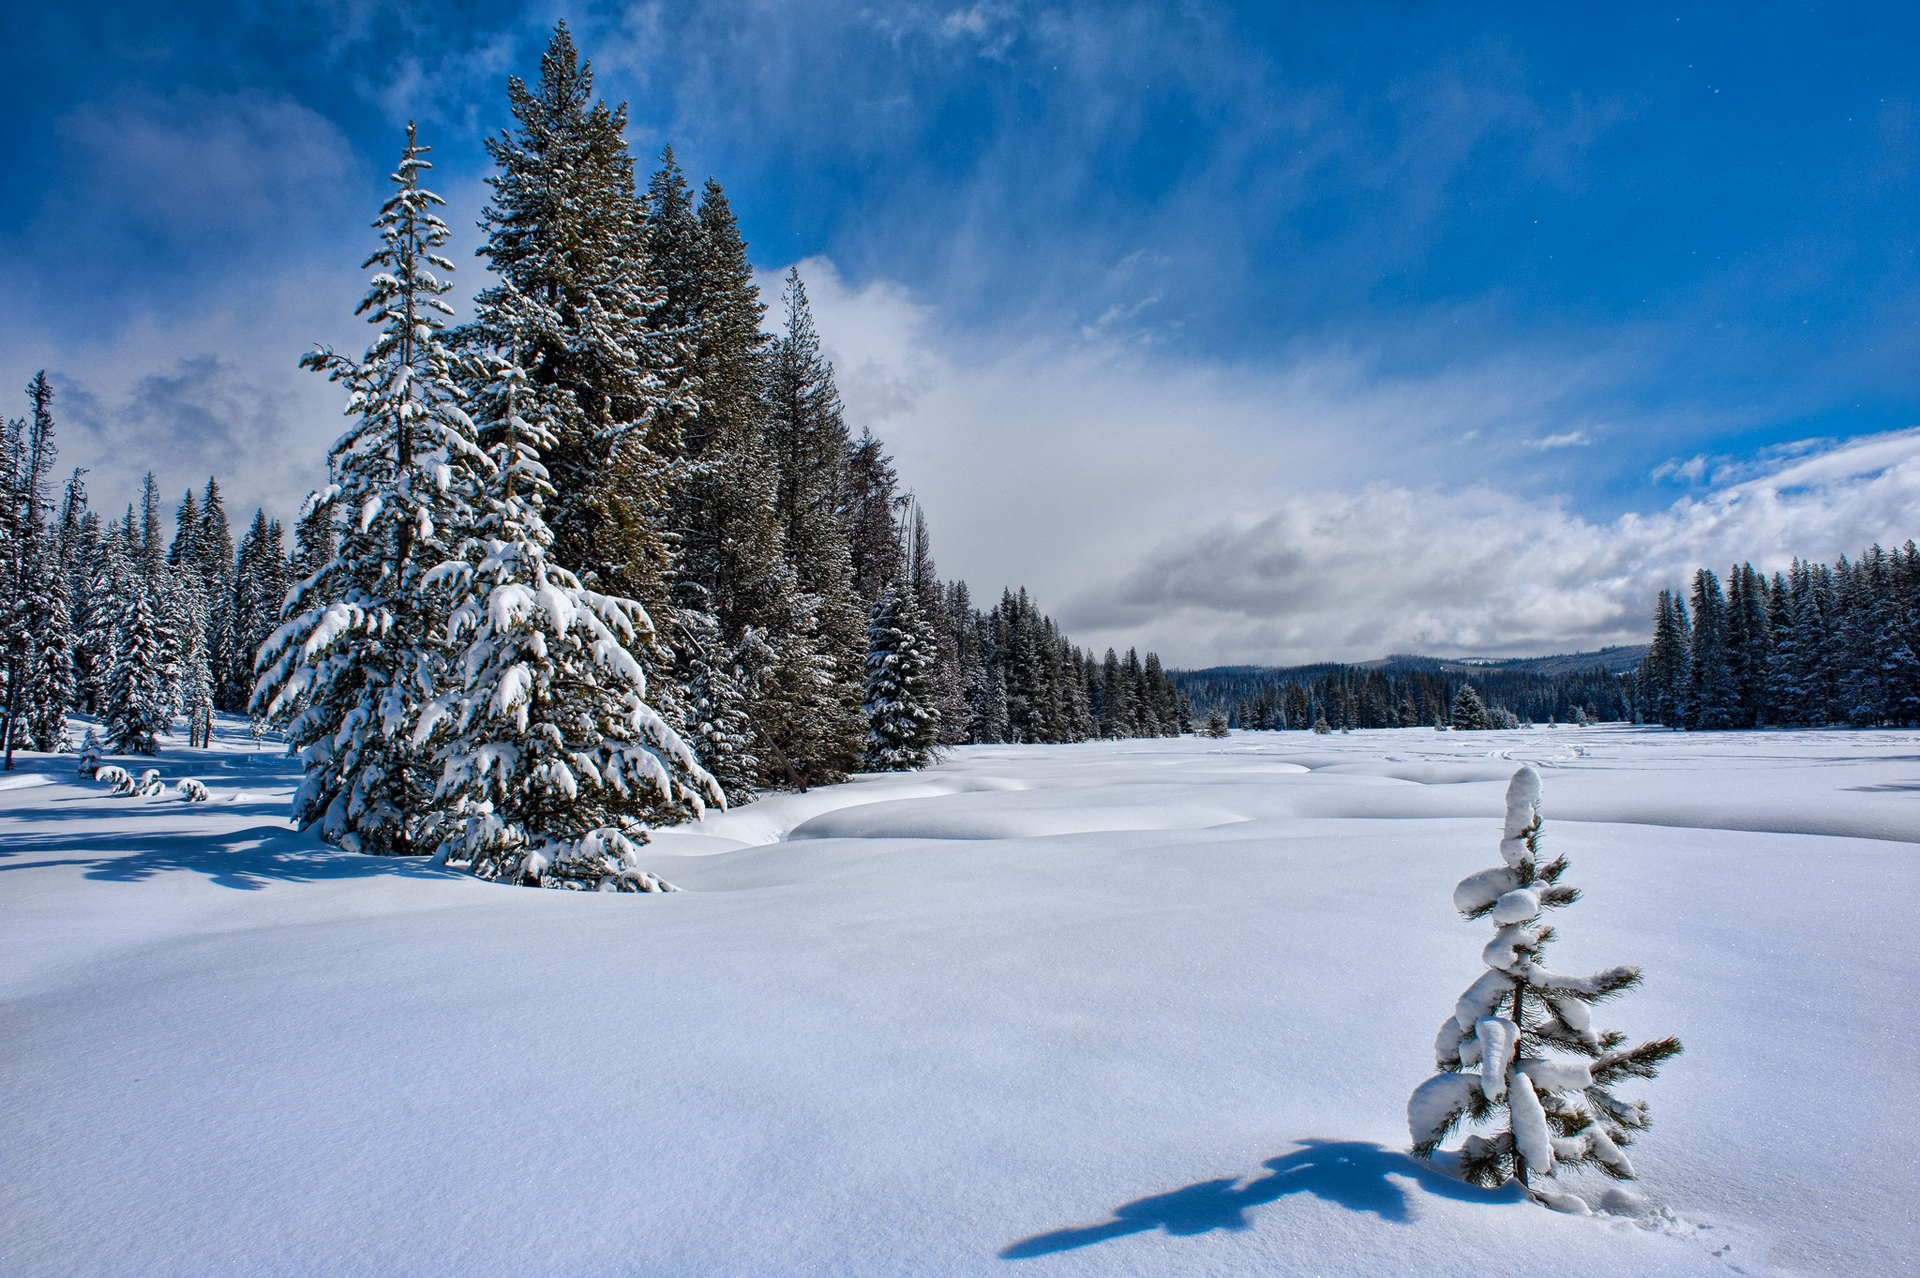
pixel 1410 692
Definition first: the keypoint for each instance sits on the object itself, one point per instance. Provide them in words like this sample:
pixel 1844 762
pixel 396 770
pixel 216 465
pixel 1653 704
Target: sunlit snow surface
pixel 1123 1008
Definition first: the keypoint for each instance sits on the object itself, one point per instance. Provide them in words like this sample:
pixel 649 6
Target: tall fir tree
pixel 746 654
pixel 364 648
pixel 820 677
pixel 1662 677
pixel 37 649
pixel 1711 697
pixel 578 305
pixel 259 589
pixel 929 594
pixel 872 501
pixel 1749 645
pixel 53 690
pixel 81 551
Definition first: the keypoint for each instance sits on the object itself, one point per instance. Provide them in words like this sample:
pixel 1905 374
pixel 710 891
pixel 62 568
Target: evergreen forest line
pixel 589 561
pixel 1818 645
pixel 1404 692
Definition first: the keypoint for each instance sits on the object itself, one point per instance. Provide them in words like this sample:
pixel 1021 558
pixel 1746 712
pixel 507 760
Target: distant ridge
pixel 1619 659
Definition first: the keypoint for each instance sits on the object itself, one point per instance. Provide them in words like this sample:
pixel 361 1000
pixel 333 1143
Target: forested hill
pixel 1410 691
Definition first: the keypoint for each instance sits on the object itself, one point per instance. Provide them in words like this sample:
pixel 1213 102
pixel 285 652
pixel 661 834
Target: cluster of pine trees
pixel 109 617
pixel 608 553
pixel 1818 644
pixel 1025 681
pixel 1405 693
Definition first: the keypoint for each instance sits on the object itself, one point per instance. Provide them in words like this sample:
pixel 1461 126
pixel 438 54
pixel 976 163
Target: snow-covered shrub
pixel 190 790
pixel 1216 724
pixel 1502 1054
pixel 116 776
pixel 149 786
pixel 1321 725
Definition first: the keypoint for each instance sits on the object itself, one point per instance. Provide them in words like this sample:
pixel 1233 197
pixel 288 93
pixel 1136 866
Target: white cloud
pixel 219 393
pixel 1690 471
pixel 1565 439
pixel 1396 569
pixel 198 165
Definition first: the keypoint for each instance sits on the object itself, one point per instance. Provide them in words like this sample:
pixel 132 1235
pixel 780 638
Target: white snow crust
pixel 1145 1008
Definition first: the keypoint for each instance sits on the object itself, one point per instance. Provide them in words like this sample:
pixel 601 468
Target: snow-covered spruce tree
pixel 716 686
pixel 819 681
pixel 136 704
pixel 89 616
pixel 923 578
pixel 1710 689
pixel 550 757
pixel 364 644
pixel 903 726
pixel 185 607
pixel 52 690
pixel 1469 713
pixel 253 613
pixel 1497 1052
pixel 28 556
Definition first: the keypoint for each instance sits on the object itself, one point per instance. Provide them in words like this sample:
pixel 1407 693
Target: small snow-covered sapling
pixel 190 790
pixel 149 786
pixel 90 751
pixel 1503 1055
pixel 116 776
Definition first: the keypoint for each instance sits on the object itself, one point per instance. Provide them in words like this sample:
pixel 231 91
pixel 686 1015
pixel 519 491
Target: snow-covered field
pixel 1118 1008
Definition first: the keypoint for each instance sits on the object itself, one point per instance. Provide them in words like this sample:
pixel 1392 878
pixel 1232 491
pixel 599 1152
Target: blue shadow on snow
pixel 245 859
pixel 1348 1173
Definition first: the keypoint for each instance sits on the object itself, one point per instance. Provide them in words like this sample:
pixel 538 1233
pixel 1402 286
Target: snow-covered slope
pixel 1140 1008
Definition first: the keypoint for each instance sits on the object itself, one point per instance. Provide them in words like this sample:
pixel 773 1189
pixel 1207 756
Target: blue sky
pixel 1272 333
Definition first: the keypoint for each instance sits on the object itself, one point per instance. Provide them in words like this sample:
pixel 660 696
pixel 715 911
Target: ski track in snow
pixel 1127 1007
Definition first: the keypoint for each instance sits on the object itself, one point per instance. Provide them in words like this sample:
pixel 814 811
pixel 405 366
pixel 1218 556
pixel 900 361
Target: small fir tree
pixel 1497 1054
pixel 1469 713
pixel 903 725
pixel 136 705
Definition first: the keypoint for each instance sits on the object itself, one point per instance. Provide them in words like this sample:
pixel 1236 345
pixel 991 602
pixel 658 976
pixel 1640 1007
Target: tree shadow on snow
pixel 246 859
pixel 1347 1173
